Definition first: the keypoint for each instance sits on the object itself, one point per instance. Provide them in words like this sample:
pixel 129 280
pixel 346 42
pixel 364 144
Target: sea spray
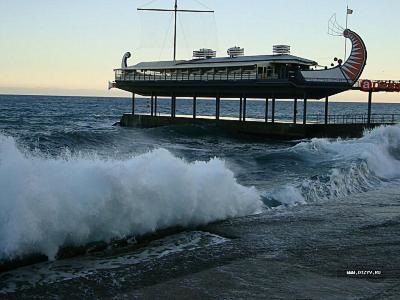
pixel 363 164
pixel 47 203
pixel 379 148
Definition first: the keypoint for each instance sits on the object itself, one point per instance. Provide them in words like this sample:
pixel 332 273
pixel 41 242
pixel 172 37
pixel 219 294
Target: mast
pixel 175 11
pixel 345 40
pixel 348 12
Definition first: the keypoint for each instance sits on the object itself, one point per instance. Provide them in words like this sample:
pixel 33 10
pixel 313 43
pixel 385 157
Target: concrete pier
pixel 333 126
pixel 257 128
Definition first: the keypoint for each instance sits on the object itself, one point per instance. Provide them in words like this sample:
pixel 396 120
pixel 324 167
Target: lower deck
pixel 279 89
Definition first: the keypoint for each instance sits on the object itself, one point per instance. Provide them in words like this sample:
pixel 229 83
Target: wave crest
pixel 360 165
pixel 72 200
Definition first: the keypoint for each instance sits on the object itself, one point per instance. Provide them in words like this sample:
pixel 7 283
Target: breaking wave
pixel 360 165
pixel 47 203
pixel 74 199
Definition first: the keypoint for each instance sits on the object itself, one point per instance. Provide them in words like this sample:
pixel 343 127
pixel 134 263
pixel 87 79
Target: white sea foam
pixel 46 203
pixel 364 163
pixel 379 148
pixel 63 270
pixel 288 195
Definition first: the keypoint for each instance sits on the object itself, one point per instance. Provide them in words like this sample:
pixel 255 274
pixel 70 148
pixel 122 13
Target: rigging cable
pixel 183 33
pixel 202 4
pixel 165 37
pixel 148 3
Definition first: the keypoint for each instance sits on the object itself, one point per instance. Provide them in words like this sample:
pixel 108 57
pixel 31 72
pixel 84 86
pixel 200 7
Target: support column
pixel 273 110
pixel 326 109
pixel 133 104
pixel 194 107
pixel 155 105
pixel 305 111
pixel 174 106
pixel 244 108
pixel 217 107
pixel 266 110
pixel 295 111
pixel 369 107
pixel 241 109
pixel 152 105
pixel 173 100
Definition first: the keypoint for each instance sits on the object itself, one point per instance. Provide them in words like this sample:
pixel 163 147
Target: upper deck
pixel 221 68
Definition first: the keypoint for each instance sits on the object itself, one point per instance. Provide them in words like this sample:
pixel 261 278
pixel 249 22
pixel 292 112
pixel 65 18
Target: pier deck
pixel 282 130
pixel 325 125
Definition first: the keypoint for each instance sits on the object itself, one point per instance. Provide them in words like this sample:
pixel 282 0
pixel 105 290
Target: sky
pixel 59 47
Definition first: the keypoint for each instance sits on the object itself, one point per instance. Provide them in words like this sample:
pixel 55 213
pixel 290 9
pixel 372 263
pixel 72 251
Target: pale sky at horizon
pixel 71 47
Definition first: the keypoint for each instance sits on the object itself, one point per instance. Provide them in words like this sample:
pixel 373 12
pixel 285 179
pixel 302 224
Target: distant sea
pixel 249 217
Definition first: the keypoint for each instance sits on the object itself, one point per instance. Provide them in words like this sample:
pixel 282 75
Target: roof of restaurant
pixel 239 61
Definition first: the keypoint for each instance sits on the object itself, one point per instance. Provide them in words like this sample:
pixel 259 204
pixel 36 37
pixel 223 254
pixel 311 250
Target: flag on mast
pixel 349 11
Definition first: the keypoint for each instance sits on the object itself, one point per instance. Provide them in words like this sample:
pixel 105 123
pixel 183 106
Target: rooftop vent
pixel 235 52
pixel 204 53
pixel 281 49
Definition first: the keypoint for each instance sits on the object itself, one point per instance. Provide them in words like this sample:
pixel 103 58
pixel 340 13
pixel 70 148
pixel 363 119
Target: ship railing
pixel 322 80
pixel 209 77
pixel 354 118
pixel 184 77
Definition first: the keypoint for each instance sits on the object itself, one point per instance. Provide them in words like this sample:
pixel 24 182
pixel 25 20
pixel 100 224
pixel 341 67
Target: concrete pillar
pixel 326 109
pixel 305 111
pixel 155 105
pixel 369 107
pixel 241 109
pixel 266 110
pixel 217 107
pixel 273 110
pixel 152 105
pixel 244 108
pixel 194 107
pixel 295 111
pixel 133 104
pixel 173 105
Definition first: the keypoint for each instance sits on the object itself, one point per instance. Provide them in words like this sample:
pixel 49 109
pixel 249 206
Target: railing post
pixel 369 107
pixel 241 109
pixel 273 110
pixel 194 107
pixel 152 105
pixel 305 111
pixel 266 110
pixel 133 104
pixel 326 109
pixel 244 108
pixel 173 105
pixel 295 111
pixel 155 105
pixel 217 107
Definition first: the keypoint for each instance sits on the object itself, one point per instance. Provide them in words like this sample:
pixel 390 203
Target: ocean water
pixel 224 216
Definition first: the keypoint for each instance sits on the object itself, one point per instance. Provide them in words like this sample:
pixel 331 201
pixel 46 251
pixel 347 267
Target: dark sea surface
pixel 245 217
